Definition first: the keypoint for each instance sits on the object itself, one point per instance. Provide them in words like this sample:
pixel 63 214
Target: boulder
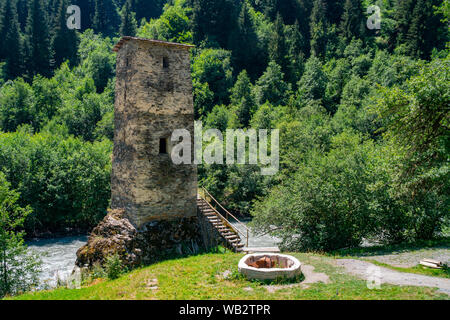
pixel 155 241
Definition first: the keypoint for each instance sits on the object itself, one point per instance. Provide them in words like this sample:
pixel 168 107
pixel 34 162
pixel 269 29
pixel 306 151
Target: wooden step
pixel 210 215
pixel 237 240
pixel 231 237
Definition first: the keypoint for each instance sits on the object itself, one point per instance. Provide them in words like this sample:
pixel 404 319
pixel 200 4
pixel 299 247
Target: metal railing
pixel 227 214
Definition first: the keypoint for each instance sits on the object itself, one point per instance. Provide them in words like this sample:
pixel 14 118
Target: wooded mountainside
pixel 363 113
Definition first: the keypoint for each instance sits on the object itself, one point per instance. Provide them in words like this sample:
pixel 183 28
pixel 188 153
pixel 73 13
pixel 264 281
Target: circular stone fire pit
pixel 269 266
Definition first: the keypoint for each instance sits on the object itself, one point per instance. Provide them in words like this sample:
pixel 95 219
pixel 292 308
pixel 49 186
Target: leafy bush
pixel 97 271
pixel 19 269
pixel 113 267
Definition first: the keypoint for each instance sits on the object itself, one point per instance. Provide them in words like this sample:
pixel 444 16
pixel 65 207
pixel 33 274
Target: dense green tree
pixel 213 66
pixel 242 98
pixel 403 13
pixel 97 59
pixel 212 20
pixel 277 45
pixel 146 9
pixel 15 105
pixel 271 86
pixel 418 39
pixel 65 41
pixel 416 119
pixel 203 98
pixel 221 118
pixel 19 269
pixel 312 85
pixel 318 29
pixel 244 44
pixel 241 89
pixel 128 26
pixel 335 9
pixel 106 18
pixel 87 8
pixel 37 40
pixel 22 13
pixel 353 23
pixel 12 43
pixel 63 179
pixel 297 50
pixel 337 79
pixel 263 117
pixel 173 25
pixel 352 111
pixel 290 10
pixel 326 205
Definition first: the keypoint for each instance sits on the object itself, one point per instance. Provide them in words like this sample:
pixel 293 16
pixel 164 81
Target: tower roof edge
pixel 152 41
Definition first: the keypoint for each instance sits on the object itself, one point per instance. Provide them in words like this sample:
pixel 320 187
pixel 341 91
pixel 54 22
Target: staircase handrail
pixel 228 214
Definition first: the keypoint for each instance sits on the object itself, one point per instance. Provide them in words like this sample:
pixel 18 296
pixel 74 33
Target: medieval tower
pixel 153 98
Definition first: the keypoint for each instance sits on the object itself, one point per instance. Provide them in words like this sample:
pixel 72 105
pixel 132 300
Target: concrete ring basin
pixel 269 266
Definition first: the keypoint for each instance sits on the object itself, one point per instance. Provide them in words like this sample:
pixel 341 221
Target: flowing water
pixel 256 241
pixel 58 257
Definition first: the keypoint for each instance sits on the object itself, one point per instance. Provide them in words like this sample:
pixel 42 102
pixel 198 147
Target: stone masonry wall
pixel 152 101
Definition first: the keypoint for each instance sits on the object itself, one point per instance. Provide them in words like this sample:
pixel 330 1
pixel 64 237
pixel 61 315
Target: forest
pixel 363 112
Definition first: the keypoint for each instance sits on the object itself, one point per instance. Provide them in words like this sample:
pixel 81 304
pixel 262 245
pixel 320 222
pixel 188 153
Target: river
pixel 58 257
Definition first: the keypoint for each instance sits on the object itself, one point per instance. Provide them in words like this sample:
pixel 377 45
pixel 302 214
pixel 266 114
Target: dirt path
pixel 362 270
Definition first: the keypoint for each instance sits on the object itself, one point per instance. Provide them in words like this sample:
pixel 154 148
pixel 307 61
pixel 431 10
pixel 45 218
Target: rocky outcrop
pixel 157 240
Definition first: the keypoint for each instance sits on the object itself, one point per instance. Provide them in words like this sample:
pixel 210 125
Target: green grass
pixel 200 277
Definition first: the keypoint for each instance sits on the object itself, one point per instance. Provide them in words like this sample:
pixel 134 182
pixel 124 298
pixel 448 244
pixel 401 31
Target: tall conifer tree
pixel 37 40
pixel 277 45
pixel 128 26
pixel 319 29
pixel 244 45
pixel 12 43
pixel 106 19
pixel 419 28
pixel 65 40
pixel 353 22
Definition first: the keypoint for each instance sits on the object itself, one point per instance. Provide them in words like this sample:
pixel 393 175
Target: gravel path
pixel 412 258
pixel 362 269
pixel 409 258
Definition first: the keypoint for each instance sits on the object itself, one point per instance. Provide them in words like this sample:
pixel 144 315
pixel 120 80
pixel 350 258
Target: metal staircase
pixel 219 217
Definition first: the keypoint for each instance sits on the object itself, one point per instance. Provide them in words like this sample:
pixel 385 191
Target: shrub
pixel 19 268
pixel 114 267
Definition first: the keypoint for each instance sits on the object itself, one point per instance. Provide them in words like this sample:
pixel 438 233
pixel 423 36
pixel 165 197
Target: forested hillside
pixel 363 112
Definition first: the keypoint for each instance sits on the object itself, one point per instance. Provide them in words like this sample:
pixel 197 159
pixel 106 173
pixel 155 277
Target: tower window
pixel 165 62
pixel 163 146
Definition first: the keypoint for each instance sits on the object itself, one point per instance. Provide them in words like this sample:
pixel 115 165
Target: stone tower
pixel 153 98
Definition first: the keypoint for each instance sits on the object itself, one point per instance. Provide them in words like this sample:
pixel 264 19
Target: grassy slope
pixel 199 277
